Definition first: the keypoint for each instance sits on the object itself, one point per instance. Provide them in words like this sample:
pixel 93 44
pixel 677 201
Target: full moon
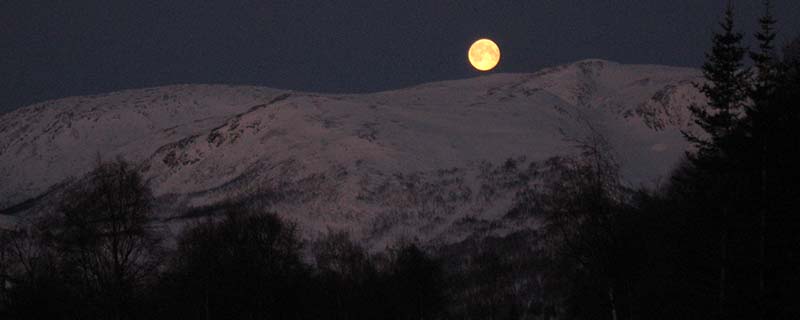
pixel 484 54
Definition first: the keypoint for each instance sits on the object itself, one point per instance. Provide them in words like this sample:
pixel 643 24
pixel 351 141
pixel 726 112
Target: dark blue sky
pixel 57 48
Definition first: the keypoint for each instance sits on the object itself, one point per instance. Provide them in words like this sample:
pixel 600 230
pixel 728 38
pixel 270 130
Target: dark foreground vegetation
pixel 719 240
pixel 99 257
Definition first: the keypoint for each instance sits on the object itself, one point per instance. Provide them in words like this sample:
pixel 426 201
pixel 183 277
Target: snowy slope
pixel 429 161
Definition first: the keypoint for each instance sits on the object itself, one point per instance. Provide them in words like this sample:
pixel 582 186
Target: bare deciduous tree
pixel 104 230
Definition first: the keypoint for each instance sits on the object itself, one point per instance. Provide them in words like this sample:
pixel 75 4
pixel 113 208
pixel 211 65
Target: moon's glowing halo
pixel 484 54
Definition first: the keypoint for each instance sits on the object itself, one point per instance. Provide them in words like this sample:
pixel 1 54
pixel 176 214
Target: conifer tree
pixel 726 89
pixel 760 116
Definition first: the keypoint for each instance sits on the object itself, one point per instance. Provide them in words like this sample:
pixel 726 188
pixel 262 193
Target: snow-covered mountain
pixel 439 161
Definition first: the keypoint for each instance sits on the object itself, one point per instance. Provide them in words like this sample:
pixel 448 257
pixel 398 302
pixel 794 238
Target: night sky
pixel 53 49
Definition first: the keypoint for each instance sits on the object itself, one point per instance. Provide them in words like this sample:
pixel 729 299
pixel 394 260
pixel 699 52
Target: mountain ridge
pixel 329 159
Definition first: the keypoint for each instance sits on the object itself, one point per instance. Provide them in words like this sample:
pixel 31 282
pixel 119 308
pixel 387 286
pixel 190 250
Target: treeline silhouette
pixel 718 240
pixel 99 257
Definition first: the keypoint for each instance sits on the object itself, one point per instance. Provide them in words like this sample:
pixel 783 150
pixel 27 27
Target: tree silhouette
pixel 417 284
pixel 245 266
pixel 351 285
pixel 107 242
pixel 726 89
pixel 760 115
